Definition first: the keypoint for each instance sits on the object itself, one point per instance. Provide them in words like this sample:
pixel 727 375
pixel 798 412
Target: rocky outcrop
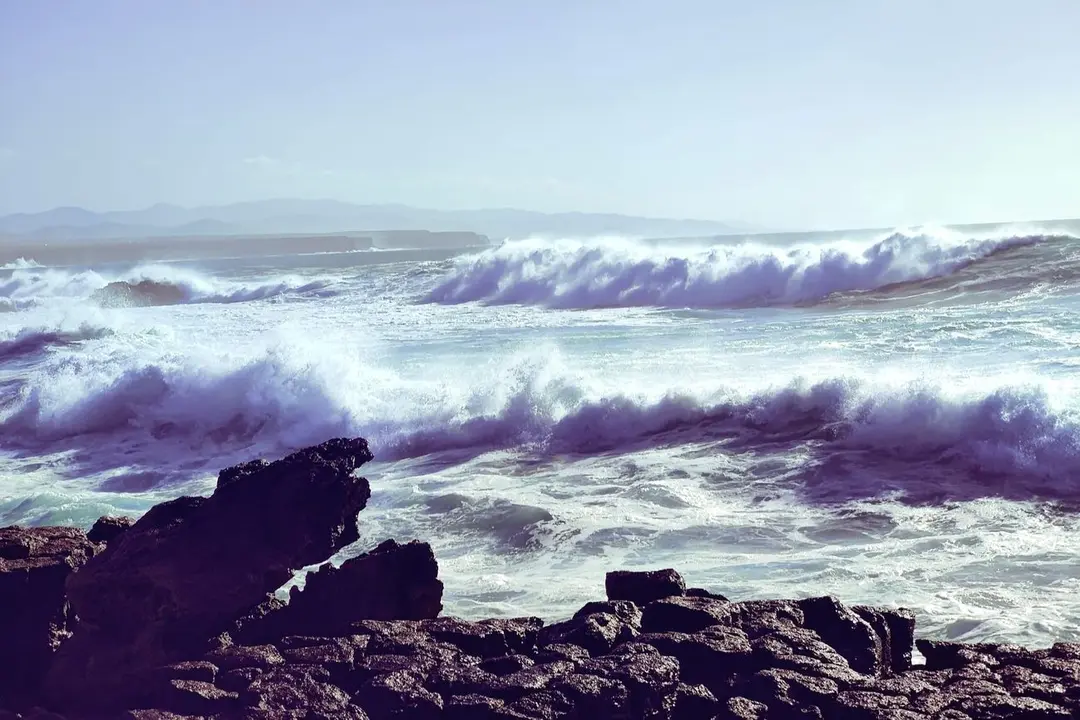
pixel 108 528
pixel 176 623
pixel 35 564
pixel 813 658
pixel 190 566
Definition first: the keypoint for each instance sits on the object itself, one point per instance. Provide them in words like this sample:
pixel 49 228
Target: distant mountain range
pixel 287 216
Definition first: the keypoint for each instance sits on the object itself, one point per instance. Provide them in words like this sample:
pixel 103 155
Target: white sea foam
pixel 291 396
pixel 31 285
pixel 613 273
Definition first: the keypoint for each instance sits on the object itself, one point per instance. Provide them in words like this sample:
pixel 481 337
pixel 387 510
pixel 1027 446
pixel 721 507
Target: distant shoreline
pixel 180 248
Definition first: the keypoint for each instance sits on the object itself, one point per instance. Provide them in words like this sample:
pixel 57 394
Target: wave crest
pixel 853 439
pixel 627 274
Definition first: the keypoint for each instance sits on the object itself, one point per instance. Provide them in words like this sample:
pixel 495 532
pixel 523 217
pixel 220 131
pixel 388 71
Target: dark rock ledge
pixel 172 617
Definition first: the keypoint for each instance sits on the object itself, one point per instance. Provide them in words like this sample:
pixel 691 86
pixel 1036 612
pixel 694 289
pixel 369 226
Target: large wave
pixel 570 274
pixel 28 285
pixel 855 438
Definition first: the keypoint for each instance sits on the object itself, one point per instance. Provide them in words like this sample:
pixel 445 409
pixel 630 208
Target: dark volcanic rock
pixel 896 629
pixel 684 614
pixel 643 588
pixel 850 635
pixel 597 632
pixel 392 582
pixel 109 527
pixel 188 567
pixel 399 695
pixel 486 638
pixel 160 638
pixel 711 659
pixel 35 564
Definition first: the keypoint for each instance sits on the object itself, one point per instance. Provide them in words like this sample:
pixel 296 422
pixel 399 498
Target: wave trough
pixel 574 275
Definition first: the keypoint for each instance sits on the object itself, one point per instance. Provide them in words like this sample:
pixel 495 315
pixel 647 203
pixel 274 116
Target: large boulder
pixel 35 619
pixel 190 566
pixel 643 586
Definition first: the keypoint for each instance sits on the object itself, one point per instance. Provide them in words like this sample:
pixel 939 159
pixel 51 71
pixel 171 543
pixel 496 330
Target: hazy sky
pixel 787 113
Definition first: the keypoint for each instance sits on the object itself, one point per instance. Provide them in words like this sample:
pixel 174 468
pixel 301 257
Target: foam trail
pixel 33 340
pixel 569 274
pixel 293 396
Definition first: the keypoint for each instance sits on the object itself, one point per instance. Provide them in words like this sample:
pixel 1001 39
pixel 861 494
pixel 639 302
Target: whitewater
pixel 892 418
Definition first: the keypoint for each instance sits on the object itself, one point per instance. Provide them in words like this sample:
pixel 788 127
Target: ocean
pixel 890 417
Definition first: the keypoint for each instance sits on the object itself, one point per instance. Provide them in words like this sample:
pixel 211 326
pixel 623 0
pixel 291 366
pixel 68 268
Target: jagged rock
pixel 651 678
pixel 399 695
pixel 597 632
pixel 109 527
pixel 188 567
pixel 392 582
pixel 35 619
pixel 298 689
pixel 896 629
pixel 741 708
pixel 712 659
pixel 594 697
pixel 195 697
pixel 471 707
pixel 695 701
pixel 486 638
pixel 683 614
pixel 850 635
pixel 570 653
pixel 643 587
pixel 263 657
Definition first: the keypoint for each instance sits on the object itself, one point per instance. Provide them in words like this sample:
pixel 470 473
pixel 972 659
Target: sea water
pixel 890 418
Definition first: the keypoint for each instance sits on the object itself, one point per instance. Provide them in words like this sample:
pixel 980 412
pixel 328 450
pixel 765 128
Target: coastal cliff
pixel 174 616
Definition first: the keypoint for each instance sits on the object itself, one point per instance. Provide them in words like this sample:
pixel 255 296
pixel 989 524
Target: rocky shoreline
pixel 173 616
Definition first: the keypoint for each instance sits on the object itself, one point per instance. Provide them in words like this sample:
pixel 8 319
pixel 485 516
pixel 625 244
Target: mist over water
pixel 893 419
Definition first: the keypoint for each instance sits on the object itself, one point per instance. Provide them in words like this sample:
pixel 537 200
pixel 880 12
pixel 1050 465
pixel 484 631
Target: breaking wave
pixel 33 340
pixel 858 440
pixel 626 273
pixel 20 264
pixel 142 286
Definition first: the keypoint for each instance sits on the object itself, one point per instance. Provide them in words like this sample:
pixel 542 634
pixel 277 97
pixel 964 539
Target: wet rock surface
pixel 366 640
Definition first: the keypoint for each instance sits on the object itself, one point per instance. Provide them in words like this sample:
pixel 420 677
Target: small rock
pixel 741 708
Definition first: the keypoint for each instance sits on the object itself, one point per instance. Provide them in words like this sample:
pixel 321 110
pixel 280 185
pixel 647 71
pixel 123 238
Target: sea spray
pixel 612 273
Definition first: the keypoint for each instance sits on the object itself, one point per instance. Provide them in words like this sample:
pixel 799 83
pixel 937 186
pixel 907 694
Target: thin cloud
pixel 263 161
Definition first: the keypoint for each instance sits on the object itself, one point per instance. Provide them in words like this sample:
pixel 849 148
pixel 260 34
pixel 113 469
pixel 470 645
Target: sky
pixel 783 113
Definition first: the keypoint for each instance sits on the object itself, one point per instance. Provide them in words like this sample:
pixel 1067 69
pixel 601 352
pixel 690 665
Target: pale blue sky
pixel 787 113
